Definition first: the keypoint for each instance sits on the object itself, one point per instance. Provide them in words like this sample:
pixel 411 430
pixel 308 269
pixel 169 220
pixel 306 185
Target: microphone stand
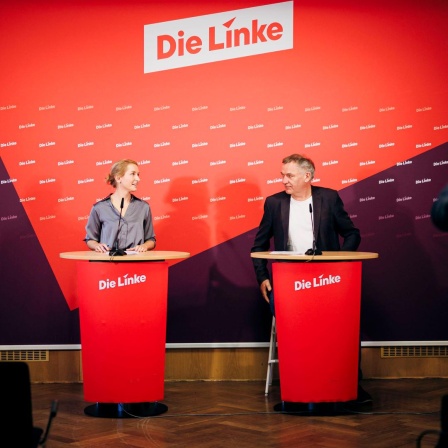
pixel 115 251
pixel 313 251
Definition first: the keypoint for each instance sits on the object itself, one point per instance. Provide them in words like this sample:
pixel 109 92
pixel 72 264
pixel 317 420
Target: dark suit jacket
pixel 331 222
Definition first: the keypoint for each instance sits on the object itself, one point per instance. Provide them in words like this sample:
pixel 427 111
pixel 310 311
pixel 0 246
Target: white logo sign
pixel 126 280
pixel 317 282
pixel 218 37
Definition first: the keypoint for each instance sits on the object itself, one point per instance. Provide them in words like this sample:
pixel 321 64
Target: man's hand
pixel 265 288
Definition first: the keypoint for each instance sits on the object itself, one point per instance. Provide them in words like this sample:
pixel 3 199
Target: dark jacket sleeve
pixel 346 229
pixel 334 223
pixel 262 242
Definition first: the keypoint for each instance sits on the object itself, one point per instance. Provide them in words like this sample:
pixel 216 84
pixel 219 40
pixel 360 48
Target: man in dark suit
pixel 291 216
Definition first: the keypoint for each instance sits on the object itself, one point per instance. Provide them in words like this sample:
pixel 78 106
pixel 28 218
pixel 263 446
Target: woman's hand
pixel 147 245
pixel 101 247
pixel 97 247
pixel 139 248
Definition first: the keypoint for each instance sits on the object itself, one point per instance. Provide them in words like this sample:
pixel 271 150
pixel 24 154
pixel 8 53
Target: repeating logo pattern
pixel 209 98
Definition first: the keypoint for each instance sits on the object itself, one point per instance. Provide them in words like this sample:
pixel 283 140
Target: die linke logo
pixel 218 37
pixel 317 282
pixel 125 280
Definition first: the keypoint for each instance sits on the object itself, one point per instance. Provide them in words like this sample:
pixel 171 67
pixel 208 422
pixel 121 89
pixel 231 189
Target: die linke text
pixel 168 45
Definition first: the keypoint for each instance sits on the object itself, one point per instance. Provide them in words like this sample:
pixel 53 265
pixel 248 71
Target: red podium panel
pixel 317 310
pixel 122 308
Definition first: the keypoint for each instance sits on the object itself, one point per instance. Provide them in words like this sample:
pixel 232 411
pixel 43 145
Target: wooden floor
pixel 239 415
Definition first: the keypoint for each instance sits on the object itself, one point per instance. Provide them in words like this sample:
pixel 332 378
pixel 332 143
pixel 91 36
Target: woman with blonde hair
pixel 121 222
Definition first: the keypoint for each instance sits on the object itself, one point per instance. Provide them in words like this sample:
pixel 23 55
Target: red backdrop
pixel 362 90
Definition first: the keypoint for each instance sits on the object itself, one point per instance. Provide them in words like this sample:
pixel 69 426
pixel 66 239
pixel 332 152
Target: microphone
pixel 313 251
pixel 115 251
